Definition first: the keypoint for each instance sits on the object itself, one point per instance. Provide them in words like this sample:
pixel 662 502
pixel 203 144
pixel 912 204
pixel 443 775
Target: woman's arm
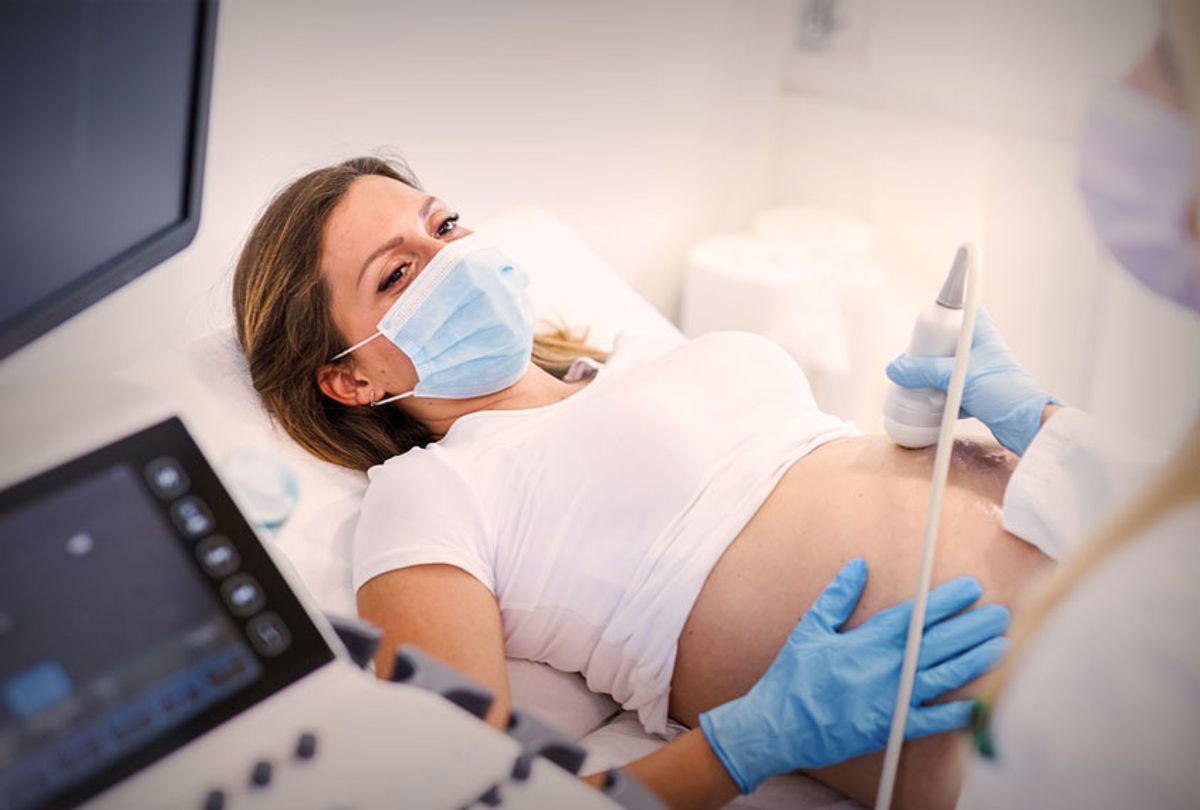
pixel 447 613
pixel 451 615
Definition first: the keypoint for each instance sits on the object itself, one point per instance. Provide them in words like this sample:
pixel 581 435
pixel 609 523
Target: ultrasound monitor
pixel 105 104
pixel 137 611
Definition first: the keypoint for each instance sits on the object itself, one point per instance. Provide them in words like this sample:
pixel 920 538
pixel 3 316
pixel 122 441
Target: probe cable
pixel 941 468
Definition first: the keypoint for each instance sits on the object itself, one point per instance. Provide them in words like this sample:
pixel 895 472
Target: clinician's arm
pixel 1074 470
pixel 826 697
pixel 685 773
pixel 1074 474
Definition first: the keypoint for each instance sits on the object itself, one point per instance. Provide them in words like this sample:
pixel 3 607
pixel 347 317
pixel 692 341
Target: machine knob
pixel 414 667
pixel 629 792
pixel 539 739
pixel 360 638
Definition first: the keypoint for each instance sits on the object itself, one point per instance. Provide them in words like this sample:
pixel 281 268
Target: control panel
pixel 154 655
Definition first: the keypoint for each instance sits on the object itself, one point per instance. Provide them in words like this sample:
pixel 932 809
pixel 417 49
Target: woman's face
pixel 1156 75
pixel 377 238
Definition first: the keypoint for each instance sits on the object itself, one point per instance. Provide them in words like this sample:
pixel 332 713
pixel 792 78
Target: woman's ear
pixel 340 384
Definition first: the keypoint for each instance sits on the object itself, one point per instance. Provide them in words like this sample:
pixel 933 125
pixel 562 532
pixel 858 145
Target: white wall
pixel 641 124
pixel 647 125
pixel 940 120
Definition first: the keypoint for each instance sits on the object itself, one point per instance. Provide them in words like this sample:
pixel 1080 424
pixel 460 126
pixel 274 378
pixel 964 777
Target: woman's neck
pixel 536 388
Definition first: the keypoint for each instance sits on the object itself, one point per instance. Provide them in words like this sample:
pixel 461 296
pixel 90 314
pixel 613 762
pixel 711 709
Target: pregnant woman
pixel 658 525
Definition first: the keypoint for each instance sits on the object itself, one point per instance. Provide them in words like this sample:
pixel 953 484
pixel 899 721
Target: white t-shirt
pixel 595 520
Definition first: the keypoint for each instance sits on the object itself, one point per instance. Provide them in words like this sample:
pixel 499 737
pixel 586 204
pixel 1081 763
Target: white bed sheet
pixel 212 392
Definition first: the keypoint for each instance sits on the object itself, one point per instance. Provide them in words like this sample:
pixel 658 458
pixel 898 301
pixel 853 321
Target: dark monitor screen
pixel 105 107
pixel 137 610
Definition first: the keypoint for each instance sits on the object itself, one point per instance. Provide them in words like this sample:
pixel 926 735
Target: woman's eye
pixel 448 225
pixel 393 277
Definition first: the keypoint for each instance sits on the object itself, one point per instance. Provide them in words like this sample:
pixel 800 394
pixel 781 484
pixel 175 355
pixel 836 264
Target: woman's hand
pixel 998 391
pixel 829 695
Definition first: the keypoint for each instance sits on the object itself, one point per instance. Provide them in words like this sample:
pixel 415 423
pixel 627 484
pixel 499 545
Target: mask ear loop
pixel 376 403
pixel 358 345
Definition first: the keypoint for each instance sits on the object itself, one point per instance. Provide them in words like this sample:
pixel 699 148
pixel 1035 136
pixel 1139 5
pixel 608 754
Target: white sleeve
pixel 1101 709
pixel 419 511
pixel 1074 473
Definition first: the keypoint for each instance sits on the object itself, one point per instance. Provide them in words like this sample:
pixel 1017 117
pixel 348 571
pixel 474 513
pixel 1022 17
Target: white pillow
pixel 220 406
pixel 217 401
pixel 569 280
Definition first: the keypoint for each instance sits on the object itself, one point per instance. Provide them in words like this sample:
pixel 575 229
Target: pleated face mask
pixel 1135 172
pixel 465 322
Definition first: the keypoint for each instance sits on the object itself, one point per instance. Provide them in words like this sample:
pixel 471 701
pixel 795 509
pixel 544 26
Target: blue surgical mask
pixel 465 322
pixel 1136 176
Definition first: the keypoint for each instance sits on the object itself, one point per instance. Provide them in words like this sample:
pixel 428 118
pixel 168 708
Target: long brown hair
pixel 1178 483
pixel 286 332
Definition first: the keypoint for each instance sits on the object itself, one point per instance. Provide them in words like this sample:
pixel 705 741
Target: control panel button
pixel 192 516
pixel 269 635
pixel 218 556
pixel 167 478
pixel 78 750
pixel 522 767
pixel 226 670
pixel 260 776
pixel 306 746
pixel 130 722
pixel 215 800
pixel 243 595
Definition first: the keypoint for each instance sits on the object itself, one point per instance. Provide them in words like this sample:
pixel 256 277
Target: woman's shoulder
pixel 419 472
pixel 419 490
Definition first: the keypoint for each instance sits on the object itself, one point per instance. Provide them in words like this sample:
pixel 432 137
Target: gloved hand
pixel 998 392
pixel 828 696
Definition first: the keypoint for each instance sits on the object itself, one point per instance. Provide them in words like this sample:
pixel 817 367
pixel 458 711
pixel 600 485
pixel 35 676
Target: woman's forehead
pixel 372 211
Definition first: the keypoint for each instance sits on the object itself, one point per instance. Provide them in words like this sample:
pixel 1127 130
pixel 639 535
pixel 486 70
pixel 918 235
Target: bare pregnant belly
pixel 854 497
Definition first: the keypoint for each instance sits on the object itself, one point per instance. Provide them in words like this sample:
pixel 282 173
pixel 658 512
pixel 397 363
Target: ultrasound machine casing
pixel 158 656
pixel 154 651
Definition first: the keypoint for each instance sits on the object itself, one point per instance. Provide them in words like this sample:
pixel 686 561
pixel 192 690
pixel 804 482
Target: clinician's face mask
pixel 465 321
pixel 1136 176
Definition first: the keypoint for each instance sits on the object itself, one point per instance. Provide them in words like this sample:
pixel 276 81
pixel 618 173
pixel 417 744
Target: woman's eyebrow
pixel 395 241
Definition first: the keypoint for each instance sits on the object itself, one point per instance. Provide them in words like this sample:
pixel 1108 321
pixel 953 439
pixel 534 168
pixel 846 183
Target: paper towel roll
pixel 824 231
pixel 843 242
pixel 806 278
pixel 746 282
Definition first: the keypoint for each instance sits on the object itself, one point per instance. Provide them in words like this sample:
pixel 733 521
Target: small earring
pixel 372 402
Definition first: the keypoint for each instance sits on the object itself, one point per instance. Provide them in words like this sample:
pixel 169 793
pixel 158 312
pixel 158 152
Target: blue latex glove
pixel 828 696
pixel 998 392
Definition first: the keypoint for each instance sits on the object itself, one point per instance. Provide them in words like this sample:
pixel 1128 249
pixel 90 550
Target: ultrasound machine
pixel 153 651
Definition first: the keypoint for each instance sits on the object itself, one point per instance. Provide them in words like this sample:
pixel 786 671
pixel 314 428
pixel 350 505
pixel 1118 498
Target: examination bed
pixel 568 281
